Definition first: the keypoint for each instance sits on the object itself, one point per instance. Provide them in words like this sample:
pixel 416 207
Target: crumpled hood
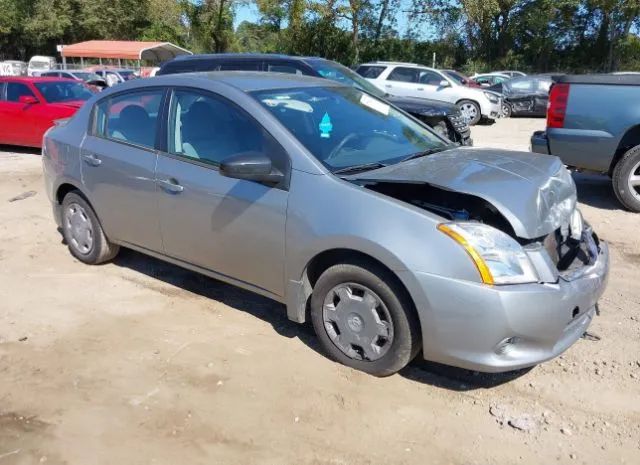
pixel 423 106
pixel 535 193
pixel 70 104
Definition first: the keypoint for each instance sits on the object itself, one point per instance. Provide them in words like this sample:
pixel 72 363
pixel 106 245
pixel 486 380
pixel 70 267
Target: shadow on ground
pixel 274 313
pixel 596 190
pixel 18 149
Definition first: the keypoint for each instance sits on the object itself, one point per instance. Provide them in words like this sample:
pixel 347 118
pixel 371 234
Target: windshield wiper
pixel 426 153
pixel 357 168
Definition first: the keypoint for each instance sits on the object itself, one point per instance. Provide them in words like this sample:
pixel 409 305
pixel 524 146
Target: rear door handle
pixel 170 185
pixel 92 159
pixel 420 88
pixel 389 86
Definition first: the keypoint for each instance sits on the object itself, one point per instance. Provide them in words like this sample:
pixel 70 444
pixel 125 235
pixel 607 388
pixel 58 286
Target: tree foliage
pixel 474 35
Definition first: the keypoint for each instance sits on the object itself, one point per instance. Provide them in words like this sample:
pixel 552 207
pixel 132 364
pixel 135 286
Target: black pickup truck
pixel 593 123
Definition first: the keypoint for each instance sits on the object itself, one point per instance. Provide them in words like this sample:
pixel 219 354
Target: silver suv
pixel 332 201
pixel 411 80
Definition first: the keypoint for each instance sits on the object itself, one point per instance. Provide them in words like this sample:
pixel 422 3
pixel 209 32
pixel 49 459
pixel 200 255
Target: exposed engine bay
pixel 570 247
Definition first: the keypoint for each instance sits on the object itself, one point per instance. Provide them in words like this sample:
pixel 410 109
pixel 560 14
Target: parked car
pixel 444 118
pixel 116 76
pixel 330 200
pixel 593 124
pixel 30 106
pixel 488 80
pixel 411 80
pixel 510 73
pixel 13 68
pixel 38 64
pixel 526 95
pixel 460 78
pixel 90 78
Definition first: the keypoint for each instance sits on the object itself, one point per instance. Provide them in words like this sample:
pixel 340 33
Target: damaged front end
pixel 537 212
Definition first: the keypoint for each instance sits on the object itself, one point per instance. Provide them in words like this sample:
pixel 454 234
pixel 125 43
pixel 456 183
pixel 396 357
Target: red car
pixel 30 105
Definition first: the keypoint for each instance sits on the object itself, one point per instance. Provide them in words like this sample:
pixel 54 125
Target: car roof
pixel 31 79
pixel 245 81
pixel 243 56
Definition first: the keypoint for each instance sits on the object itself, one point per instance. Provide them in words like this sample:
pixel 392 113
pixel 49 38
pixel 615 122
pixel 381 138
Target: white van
pixel 39 64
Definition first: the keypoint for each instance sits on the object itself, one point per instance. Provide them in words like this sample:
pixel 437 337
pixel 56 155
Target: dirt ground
pixel 140 362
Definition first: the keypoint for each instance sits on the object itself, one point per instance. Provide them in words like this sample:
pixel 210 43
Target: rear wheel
pixel 83 233
pixel 471 111
pixel 626 179
pixel 364 319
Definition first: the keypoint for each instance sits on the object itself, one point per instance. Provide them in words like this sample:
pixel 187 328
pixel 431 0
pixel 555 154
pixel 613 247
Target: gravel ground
pixel 140 362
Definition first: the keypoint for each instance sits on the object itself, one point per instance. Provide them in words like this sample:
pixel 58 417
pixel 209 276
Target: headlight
pixel 493 98
pixel 498 258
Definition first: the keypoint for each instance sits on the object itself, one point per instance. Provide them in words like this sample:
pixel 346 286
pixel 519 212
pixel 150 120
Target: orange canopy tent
pixel 125 50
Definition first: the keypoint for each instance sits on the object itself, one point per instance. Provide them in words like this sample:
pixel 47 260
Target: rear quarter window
pixel 370 72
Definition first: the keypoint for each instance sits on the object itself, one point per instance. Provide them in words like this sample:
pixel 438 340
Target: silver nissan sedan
pixel 392 240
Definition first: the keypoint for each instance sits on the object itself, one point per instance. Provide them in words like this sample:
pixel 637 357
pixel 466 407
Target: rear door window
pixel 284 67
pixel 15 90
pixel 401 74
pixel 130 117
pixel 241 65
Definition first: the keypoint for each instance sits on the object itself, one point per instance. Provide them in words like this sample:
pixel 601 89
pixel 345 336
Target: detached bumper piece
pixel 461 129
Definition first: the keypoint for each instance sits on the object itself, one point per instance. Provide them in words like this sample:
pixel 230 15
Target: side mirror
pixel 250 166
pixel 28 99
pixel 445 83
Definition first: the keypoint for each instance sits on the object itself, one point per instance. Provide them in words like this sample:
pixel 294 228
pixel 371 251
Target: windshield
pixel 63 91
pixel 344 127
pixel 344 75
pixel 87 76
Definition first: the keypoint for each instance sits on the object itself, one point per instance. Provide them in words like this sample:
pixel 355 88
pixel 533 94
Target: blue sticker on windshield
pixel 325 126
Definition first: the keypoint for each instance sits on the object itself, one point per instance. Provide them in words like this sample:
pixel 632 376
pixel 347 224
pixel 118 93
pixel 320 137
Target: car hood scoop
pixel 536 194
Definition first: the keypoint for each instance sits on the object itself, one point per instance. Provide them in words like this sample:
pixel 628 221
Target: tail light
pixel 557 108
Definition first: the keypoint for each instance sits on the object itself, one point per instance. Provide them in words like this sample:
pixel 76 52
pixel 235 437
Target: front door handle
pixel 170 185
pixel 92 159
pixel 420 88
pixel 388 86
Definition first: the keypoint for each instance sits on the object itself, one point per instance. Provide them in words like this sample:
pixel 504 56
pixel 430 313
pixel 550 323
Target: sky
pixel 249 12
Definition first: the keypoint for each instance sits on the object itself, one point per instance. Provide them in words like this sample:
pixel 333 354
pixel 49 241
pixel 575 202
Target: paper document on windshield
pixel 374 104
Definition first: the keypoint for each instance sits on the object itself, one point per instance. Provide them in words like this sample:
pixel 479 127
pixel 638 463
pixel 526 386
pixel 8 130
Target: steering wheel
pixel 353 135
pixel 338 148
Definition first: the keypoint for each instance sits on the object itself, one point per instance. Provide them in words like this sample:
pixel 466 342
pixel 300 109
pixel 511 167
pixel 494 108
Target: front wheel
pixel 471 111
pixel 364 319
pixel 626 180
pixel 83 233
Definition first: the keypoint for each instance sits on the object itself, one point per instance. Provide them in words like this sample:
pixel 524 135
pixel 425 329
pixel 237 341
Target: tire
pixel 441 129
pixel 83 232
pixel 402 339
pixel 506 110
pixel 471 110
pixel 626 171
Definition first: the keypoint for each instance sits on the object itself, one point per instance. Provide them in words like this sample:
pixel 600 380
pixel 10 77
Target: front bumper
pixel 491 110
pixel 503 328
pixel 539 143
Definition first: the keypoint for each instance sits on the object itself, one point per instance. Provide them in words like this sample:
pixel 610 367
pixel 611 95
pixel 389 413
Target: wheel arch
pixel 630 139
pixel 300 291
